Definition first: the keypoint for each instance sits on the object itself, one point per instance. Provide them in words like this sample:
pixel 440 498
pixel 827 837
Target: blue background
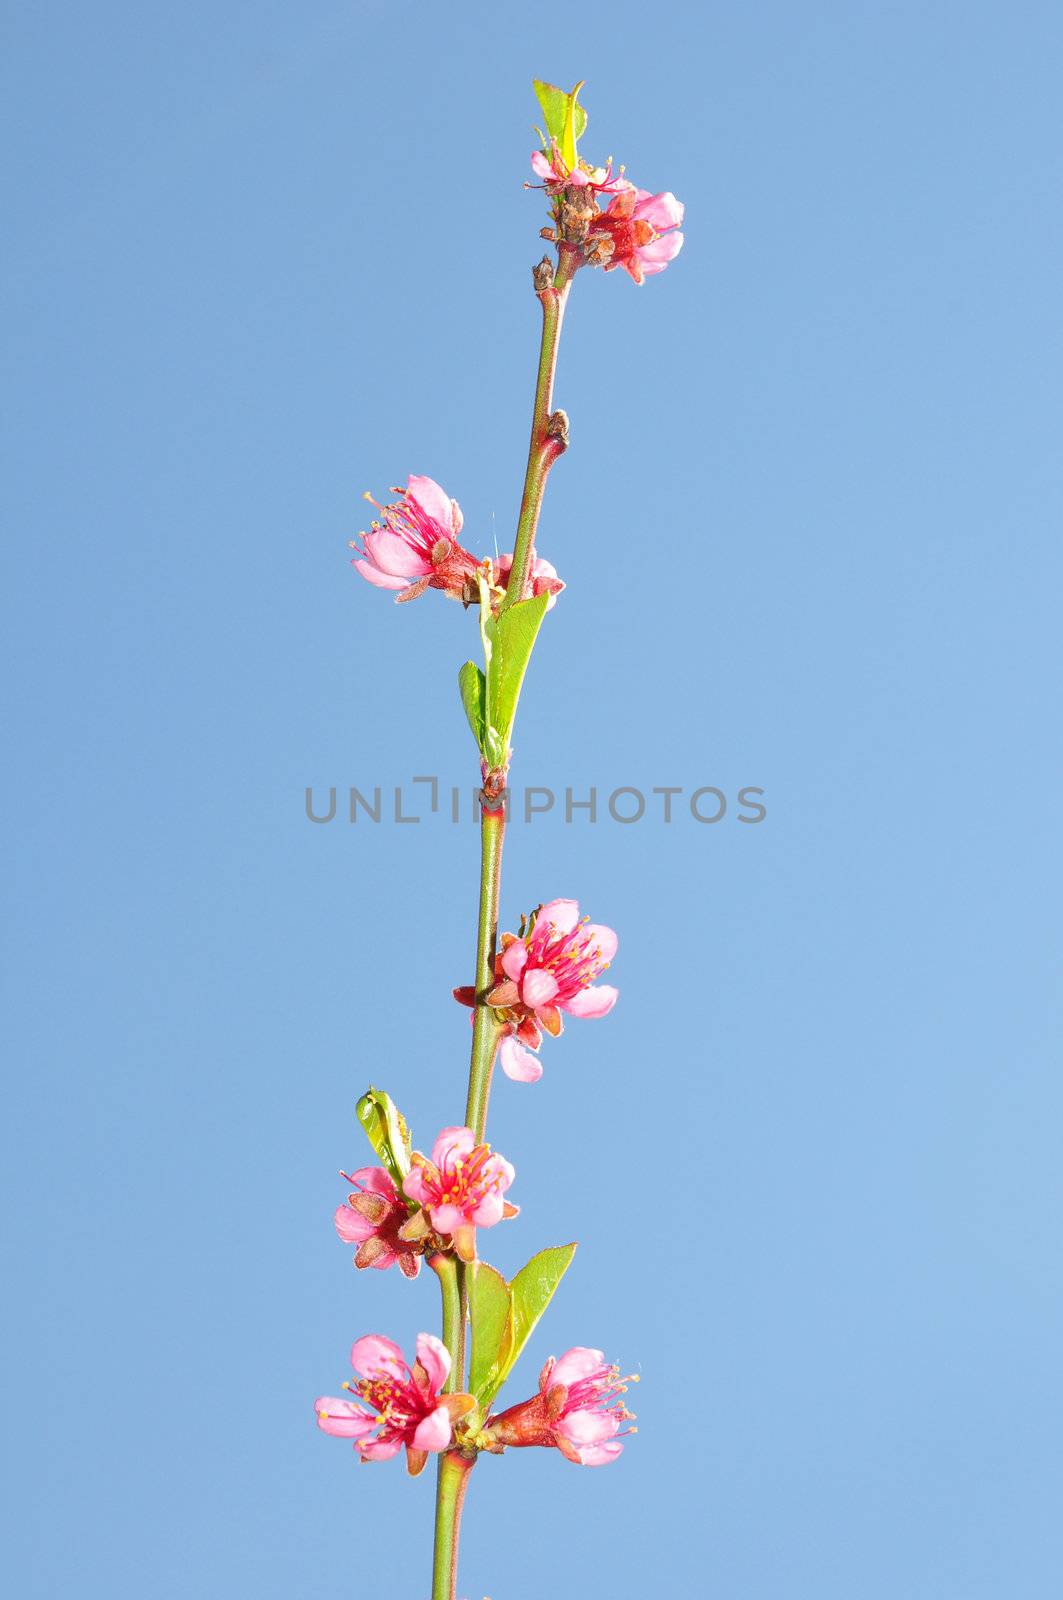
pixel 269 255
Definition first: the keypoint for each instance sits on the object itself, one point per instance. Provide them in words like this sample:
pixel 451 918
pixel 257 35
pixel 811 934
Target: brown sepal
pixel 509 1210
pixel 457 1405
pixel 412 592
pixel 464 1241
pixel 466 995
pixel 416 1460
pixel 415 1228
pixel 373 1207
pixel 369 1250
pixel 504 994
pixel 568 1449
pixel 550 1017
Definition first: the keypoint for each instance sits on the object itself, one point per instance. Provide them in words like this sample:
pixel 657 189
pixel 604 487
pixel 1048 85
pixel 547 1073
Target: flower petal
pixel 451 1144
pixel 382 580
pixel 380 1449
pixel 352 1228
pixel 603 938
pixel 342 1418
pixel 588 1427
pixel 434 1357
pixel 518 1063
pixel 540 165
pixel 433 1433
pixel 538 988
pixel 394 555
pixel 579 1362
pixel 599 1455
pixel 446 1217
pixel 376 1357
pixel 596 1001
pixel 433 500
pixel 659 210
pixel 656 255
pixel 561 914
pixel 515 959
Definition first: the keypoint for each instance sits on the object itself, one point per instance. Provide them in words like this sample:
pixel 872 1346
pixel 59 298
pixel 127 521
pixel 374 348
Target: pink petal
pixel 387 1258
pixel 381 1449
pixel 434 1432
pixel 342 1419
pixel 394 555
pixel 604 938
pixel 518 1063
pixel 588 1427
pixel 352 1228
pixel 596 1001
pixel 515 959
pixel 413 1184
pixel 489 1210
pixel 451 1143
pixel 457 521
pixel 435 1359
pixel 540 165
pixel 656 255
pixel 376 1180
pixel 600 1455
pixel 433 501
pixel 538 988
pixel 579 1362
pixel 562 914
pixel 383 580
pixel 376 1357
pixel 447 1217
pixel 659 210
pixel 501 1171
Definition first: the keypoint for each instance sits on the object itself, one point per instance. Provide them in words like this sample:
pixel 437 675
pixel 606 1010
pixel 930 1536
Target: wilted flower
pixel 637 231
pixel 556 174
pixel 372 1218
pixel 408 1404
pixel 577 1411
pixel 461 1187
pixel 549 970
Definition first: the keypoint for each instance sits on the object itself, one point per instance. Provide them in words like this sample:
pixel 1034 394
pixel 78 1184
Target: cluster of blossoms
pixel 637 230
pixel 550 969
pixel 413 546
pixel 443 1200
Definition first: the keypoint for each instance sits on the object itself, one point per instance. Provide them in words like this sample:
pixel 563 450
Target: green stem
pixel 546 445
pixel 446 1270
pixel 454 1469
pixel 485 1029
pixel 544 449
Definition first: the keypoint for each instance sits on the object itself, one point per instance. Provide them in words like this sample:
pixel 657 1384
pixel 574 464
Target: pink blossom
pixel 415 547
pixel 372 1218
pixel 577 1411
pixel 637 231
pixel 461 1187
pixel 556 174
pixel 408 1404
pixel 549 971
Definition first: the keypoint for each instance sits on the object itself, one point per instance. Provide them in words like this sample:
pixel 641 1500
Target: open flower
pixel 461 1188
pixel 549 971
pixel 415 547
pixel 577 1411
pixel 637 231
pixel 405 1404
pixel 372 1218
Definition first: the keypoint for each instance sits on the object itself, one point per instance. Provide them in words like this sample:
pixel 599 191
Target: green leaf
pixel 473 687
pixel 385 1128
pixel 565 119
pixel 531 1292
pixel 512 640
pixel 489 1315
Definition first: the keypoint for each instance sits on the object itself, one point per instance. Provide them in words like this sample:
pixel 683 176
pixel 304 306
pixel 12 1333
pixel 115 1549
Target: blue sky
pixel 268 256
